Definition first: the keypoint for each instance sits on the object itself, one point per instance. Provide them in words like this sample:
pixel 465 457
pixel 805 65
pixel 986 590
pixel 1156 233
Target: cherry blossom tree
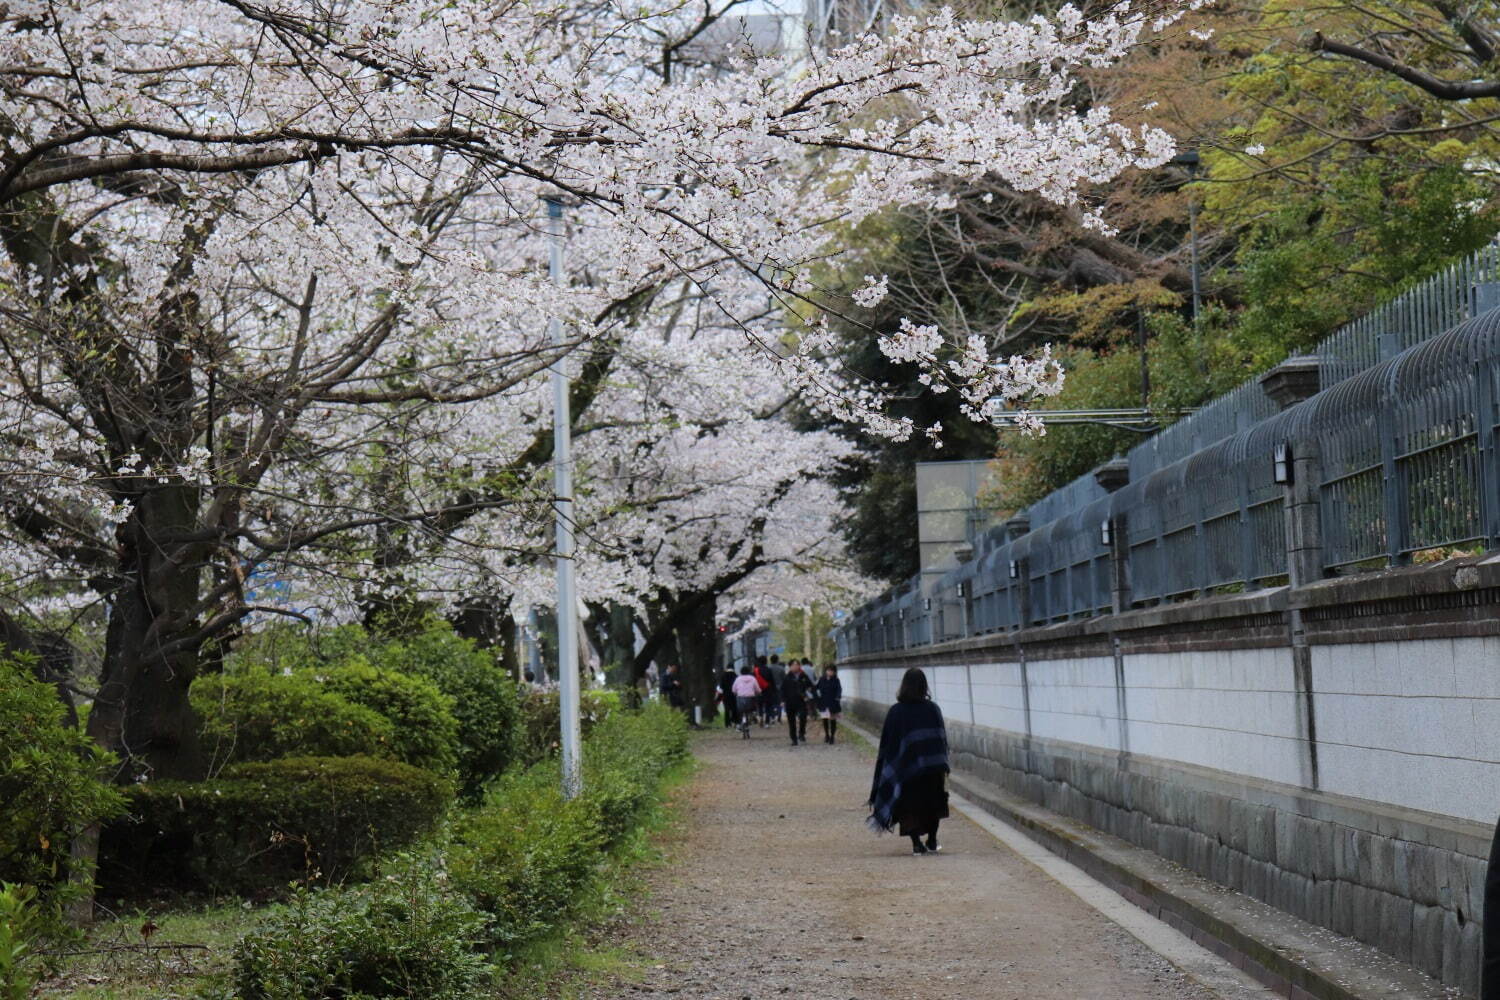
pixel 271 278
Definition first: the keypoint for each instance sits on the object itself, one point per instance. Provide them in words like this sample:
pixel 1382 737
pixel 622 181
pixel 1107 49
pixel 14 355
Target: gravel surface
pixel 777 889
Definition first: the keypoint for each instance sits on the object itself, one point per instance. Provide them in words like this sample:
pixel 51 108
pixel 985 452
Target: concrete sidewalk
pixel 777 889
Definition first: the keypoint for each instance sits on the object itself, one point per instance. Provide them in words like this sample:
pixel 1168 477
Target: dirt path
pixel 778 890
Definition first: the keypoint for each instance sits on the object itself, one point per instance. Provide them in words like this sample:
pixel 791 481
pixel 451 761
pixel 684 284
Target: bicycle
pixel 747 712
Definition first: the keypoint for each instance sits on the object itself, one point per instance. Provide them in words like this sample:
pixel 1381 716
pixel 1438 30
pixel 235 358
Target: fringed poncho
pixel 912 742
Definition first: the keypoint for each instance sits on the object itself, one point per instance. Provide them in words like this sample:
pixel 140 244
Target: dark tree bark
pixel 151 655
pixel 488 623
pixel 697 644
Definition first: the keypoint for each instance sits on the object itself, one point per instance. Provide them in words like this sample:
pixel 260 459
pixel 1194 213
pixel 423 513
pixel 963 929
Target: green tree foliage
pixel 804 632
pixel 1340 185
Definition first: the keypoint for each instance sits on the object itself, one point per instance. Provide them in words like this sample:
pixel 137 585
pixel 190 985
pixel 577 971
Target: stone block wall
pixel 1358 795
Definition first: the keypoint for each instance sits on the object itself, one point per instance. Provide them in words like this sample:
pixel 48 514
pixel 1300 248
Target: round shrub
pixel 257 715
pixel 485 700
pixel 425 733
pixel 541 720
pixel 260 826
pixel 405 935
pixel 50 787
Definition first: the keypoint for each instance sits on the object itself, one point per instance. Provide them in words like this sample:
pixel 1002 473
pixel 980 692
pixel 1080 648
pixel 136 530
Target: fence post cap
pixel 1113 475
pixel 1292 381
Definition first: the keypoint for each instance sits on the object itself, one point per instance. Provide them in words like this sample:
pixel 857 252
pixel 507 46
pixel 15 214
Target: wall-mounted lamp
pixel 1281 464
pixel 1106 534
pixel 960 590
pixel 926 604
pixel 1015 570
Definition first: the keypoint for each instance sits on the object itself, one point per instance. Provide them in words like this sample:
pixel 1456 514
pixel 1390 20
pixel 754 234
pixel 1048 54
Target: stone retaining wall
pixel 1358 793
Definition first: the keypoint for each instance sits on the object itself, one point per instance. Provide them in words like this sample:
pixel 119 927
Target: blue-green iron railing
pixel 1406 434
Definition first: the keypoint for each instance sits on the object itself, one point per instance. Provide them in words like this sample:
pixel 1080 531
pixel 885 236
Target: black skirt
pixel 923 802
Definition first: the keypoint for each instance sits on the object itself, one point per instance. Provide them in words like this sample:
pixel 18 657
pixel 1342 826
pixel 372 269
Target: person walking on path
pixel 776 674
pixel 830 695
pixel 726 697
pixel 671 687
pixel 794 691
pixel 746 692
pixel 762 676
pixel 909 789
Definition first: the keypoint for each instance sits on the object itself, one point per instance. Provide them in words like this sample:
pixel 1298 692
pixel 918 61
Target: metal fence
pixel 1398 449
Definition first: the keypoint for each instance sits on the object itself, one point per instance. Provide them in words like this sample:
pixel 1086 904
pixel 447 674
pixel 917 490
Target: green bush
pixel 541 717
pixel 404 935
pixel 626 754
pixel 354 708
pixel 426 734
pixel 485 700
pixel 257 715
pixel 260 826
pixel 50 782
pixel 526 853
pixel 503 873
pixel 20 926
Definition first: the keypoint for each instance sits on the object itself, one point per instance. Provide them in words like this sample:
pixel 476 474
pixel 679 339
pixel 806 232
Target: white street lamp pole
pixel 562 479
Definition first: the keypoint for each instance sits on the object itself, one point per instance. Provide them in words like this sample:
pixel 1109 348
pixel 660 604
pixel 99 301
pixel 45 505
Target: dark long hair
pixel 913 686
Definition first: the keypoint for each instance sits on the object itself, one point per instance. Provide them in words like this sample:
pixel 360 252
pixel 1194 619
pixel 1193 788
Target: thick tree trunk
pixel 488 622
pixel 698 644
pixel 613 629
pixel 141 711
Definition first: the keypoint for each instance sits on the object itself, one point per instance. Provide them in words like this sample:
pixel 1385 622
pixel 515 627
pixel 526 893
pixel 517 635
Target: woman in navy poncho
pixel 909 785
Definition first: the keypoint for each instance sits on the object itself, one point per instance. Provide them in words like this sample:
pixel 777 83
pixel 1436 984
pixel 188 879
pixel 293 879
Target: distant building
pixel 737 36
pixel 951 514
pixel 831 23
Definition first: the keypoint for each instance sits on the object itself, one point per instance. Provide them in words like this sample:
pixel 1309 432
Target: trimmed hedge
pixel 257 715
pixel 486 702
pixel 506 872
pixel 343 711
pixel 259 827
pixel 426 734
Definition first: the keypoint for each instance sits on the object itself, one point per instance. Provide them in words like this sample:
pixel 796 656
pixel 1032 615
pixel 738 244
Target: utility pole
pixel 1140 340
pixel 1191 161
pixel 562 479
